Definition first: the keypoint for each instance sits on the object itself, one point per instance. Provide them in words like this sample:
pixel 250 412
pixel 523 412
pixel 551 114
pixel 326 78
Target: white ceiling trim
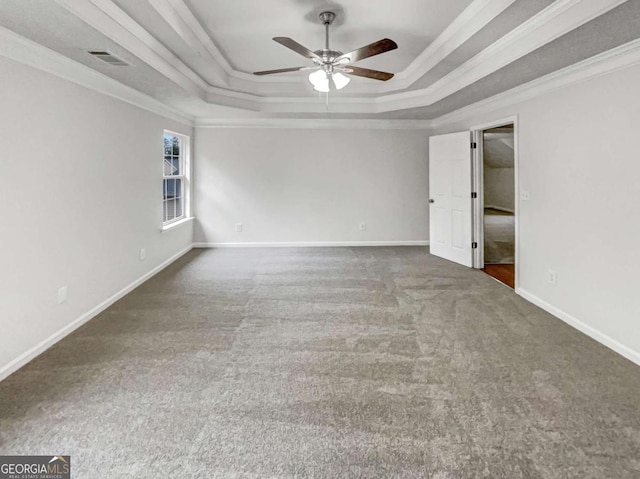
pixel 307 104
pixel 106 17
pixel 180 18
pixel 559 18
pixel 180 8
pixel 128 23
pixel 220 92
pixel 618 58
pixel 186 33
pixel 186 25
pixel 21 50
pixel 473 19
pixel 27 52
pixel 549 24
pixel 314 124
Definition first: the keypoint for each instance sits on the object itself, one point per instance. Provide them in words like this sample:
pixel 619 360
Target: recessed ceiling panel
pixel 243 30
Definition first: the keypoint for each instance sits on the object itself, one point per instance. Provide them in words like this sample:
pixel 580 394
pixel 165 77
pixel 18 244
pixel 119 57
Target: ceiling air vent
pixel 109 58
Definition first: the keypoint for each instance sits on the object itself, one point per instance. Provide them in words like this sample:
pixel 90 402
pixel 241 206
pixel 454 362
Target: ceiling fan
pixel 333 64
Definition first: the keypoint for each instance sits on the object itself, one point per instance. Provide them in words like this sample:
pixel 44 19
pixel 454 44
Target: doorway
pixel 473 207
pixel 497 202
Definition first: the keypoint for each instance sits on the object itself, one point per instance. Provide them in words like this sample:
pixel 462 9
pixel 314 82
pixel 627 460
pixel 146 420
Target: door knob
pixel 431 200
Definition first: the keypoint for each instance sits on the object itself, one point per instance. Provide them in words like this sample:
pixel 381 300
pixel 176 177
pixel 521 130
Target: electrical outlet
pixel 525 195
pixel 143 254
pixel 238 227
pixel 63 293
pixel 363 226
pixel 552 277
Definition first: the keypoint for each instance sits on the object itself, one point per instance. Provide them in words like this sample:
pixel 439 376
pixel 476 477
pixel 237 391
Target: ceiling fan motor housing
pixel 328 56
pixel 327 18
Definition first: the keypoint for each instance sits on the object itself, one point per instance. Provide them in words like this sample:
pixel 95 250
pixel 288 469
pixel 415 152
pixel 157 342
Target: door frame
pixel 477 170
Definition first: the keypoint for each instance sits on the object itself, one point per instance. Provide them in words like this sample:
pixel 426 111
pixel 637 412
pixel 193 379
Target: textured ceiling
pixel 197 55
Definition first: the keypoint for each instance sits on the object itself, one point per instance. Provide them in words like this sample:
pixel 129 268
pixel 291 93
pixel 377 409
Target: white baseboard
pixel 311 244
pixel 41 347
pixel 593 333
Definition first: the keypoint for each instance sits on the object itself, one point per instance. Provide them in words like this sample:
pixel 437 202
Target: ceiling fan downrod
pixel 327 55
pixel 327 19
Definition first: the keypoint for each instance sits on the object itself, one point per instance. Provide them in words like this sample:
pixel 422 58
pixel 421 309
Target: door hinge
pixel 474 195
pixel 474 245
pixel 474 145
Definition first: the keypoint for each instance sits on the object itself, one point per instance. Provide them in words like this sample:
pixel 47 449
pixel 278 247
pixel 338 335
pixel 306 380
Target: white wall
pixel 578 158
pixel 81 194
pixel 304 185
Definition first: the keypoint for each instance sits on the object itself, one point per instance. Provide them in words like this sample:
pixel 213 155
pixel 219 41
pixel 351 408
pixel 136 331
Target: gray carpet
pixel 363 362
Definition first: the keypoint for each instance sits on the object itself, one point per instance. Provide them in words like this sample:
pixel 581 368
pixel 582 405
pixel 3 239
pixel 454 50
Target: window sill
pixel 171 226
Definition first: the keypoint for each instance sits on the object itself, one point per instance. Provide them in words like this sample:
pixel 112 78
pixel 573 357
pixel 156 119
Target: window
pixel 175 188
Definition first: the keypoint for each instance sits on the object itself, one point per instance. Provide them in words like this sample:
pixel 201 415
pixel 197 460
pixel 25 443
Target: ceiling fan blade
pixel 376 48
pixel 367 73
pixel 283 70
pixel 296 47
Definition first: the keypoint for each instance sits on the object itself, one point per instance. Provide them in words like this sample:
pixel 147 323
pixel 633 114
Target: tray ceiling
pixel 197 55
pixel 246 42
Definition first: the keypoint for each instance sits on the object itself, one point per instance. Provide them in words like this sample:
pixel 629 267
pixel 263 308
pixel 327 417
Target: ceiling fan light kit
pixel 320 81
pixel 333 66
pixel 340 80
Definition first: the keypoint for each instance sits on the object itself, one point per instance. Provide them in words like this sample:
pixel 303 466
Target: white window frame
pixel 184 176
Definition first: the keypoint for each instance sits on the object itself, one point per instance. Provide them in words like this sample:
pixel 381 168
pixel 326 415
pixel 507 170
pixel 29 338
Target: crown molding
pixel 554 21
pixel 293 100
pixel 318 123
pixel 106 17
pixel 252 93
pixel 181 19
pixel 110 20
pixel 203 37
pixel 22 50
pixel 27 52
pixel 549 24
pixel 473 19
pixel 300 104
pixel 619 58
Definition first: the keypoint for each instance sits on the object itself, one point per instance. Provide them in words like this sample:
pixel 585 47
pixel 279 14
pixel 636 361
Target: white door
pixel 450 197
